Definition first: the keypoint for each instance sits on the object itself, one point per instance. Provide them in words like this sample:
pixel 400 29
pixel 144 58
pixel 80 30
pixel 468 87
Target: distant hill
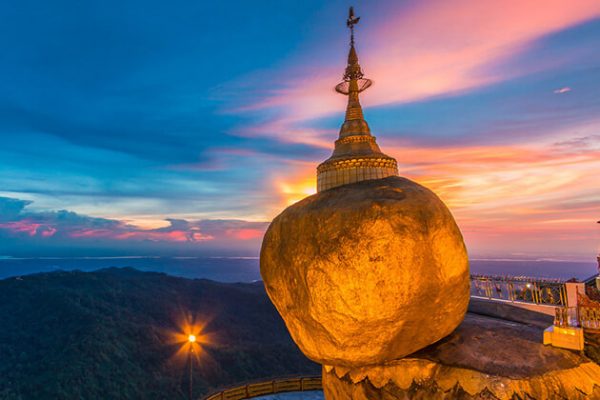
pixel 106 335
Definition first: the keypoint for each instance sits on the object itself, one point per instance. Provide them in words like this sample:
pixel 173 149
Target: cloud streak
pixel 68 229
pixel 534 198
pixel 562 90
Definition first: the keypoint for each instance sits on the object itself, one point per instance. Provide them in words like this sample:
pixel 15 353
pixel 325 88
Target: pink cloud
pixel 91 233
pixel 562 90
pixel 245 234
pixel 310 136
pixel 28 227
pixel 441 47
pixel 49 231
pixel 23 226
pixel 425 50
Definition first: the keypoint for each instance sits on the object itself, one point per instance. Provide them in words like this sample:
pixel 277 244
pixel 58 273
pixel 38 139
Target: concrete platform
pixel 567 338
pixel 484 358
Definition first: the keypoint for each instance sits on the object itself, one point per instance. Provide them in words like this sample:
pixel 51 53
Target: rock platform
pixel 484 358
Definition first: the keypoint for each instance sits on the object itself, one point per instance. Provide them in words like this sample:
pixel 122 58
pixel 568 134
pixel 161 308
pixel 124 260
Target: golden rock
pixel 368 272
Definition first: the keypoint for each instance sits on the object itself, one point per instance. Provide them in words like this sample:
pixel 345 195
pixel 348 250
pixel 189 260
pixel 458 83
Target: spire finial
pixel 352 20
pixel 353 83
pixel 353 80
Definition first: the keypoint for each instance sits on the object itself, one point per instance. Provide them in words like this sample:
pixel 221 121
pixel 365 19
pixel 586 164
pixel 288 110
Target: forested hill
pixel 108 335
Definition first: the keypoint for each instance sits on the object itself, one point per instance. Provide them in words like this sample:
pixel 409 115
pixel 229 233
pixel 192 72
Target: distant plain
pixel 246 269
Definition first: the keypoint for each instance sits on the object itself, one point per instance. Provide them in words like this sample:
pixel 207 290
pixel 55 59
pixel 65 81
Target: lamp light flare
pixel 190 337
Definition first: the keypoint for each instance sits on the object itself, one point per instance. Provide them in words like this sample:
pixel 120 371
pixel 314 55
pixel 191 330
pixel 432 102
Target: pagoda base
pixel 485 358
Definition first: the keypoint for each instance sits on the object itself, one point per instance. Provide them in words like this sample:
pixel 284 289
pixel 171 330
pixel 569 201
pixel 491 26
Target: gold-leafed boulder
pixel 366 273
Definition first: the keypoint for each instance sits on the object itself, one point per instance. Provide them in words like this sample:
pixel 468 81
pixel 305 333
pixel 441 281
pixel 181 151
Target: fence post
pixel 572 289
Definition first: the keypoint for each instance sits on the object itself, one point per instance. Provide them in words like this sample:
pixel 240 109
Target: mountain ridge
pixel 108 334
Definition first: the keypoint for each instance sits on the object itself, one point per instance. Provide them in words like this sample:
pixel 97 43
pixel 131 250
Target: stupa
pixel 356 156
pixel 373 266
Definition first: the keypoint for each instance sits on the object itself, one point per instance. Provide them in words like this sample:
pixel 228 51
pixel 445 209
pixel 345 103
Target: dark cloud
pixel 31 233
pixel 11 208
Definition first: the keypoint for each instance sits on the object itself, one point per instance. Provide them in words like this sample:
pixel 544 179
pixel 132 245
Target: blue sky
pixel 141 119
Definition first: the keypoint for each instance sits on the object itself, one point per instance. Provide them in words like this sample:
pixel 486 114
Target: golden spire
pixel 353 83
pixel 356 156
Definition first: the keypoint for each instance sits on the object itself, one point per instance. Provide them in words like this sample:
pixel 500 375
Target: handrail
pixel 264 388
pixel 538 291
pixel 517 278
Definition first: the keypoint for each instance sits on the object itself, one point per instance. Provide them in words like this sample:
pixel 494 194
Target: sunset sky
pixel 171 128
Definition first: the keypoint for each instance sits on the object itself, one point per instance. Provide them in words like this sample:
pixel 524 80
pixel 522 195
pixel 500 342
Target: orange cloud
pixel 296 185
pixel 523 196
pixel 530 196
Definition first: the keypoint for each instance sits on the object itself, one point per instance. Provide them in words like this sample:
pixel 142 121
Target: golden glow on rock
pixel 367 273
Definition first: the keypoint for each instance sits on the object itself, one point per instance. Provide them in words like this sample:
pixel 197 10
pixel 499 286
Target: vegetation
pixel 109 335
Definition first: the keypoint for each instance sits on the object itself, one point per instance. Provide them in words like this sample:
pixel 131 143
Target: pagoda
pixel 356 156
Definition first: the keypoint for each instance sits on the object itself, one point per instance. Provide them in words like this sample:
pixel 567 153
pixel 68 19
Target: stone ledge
pixel 421 379
pixel 485 358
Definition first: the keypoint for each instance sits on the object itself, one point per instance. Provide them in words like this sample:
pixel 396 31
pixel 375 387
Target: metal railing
pixel 551 292
pixel 566 316
pixel 589 318
pixel 585 317
pixel 264 388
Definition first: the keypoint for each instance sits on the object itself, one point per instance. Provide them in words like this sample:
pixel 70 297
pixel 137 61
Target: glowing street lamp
pixel 191 341
pixel 190 337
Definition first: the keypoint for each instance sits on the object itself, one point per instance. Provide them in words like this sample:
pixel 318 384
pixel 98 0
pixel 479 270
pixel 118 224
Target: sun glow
pixel 298 190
